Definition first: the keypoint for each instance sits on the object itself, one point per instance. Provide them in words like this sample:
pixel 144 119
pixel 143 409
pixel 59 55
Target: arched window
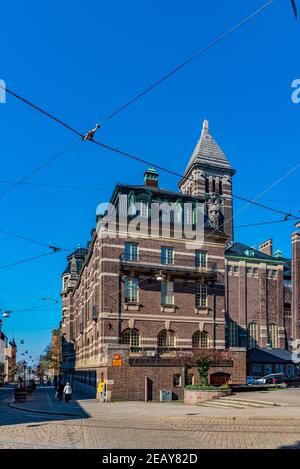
pixel 252 335
pixel 166 340
pixel 131 337
pixel 200 339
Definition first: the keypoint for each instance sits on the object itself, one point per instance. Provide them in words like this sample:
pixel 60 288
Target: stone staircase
pixel 235 403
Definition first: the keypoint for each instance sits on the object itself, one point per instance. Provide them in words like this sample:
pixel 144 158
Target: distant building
pixel 10 361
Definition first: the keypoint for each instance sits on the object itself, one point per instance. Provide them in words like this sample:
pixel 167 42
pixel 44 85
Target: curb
pixel 47 412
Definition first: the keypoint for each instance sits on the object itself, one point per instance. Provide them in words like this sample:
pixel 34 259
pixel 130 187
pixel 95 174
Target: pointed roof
pixel 208 153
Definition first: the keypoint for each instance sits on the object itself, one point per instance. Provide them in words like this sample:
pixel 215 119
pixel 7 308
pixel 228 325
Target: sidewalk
pixel 43 401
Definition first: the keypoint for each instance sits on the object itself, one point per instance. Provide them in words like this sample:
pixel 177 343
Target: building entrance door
pixel 148 389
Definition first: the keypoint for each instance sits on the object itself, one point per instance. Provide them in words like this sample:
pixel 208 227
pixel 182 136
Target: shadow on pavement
pixel 293 446
pixel 41 406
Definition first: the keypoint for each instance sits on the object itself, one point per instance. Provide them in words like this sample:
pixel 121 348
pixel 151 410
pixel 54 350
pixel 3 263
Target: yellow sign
pixel 101 387
pixel 117 362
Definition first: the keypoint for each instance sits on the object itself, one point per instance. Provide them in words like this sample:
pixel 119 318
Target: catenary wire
pixel 188 61
pixel 46 163
pixel 262 223
pixel 32 258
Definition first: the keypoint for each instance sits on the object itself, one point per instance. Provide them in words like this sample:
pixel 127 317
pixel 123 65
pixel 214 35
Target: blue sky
pixel 80 60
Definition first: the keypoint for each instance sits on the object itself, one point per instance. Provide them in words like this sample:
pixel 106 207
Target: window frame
pixel 131 290
pixel 167 293
pixel 201 296
pixel 131 254
pixel 167 255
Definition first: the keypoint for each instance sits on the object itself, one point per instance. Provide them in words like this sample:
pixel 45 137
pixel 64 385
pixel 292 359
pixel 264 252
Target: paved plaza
pixel 271 421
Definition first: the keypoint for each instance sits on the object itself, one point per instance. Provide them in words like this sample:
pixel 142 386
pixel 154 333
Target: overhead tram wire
pixel 46 163
pixel 120 152
pixel 263 223
pixel 186 62
pixel 33 258
pixel 174 173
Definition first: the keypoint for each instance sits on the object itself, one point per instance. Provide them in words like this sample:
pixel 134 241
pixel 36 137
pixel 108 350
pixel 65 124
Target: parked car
pixel 272 378
pixel 251 380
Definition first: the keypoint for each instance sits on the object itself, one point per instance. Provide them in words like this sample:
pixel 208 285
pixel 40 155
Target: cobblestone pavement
pixel 131 425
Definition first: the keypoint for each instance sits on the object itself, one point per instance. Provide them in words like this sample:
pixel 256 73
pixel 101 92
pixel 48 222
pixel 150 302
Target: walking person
pixel 67 392
pixel 60 391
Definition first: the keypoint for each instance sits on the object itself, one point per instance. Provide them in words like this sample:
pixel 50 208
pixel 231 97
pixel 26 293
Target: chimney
pixel 151 177
pixel 267 247
pixel 295 283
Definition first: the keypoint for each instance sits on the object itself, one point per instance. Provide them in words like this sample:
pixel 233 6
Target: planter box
pixel 193 396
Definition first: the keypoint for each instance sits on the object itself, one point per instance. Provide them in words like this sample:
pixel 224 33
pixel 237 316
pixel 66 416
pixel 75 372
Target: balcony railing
pixel 166 356
pixel 153 262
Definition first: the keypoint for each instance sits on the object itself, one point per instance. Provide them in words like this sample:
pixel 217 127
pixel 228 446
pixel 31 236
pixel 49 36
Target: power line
pixel 262 223
pixel 25 238
pixel 55 157
pixel 22 293
pixel 26 101
pixel 186 62
pixel 128 155
pixel 31 258
pixel 162 168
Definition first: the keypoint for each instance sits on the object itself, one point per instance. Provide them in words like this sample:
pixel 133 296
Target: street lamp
pixel 160 276
pixel 50 299
pixel 6 314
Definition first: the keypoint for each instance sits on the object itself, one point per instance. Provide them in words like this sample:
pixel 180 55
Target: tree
pixel 203 359
pixel 44 366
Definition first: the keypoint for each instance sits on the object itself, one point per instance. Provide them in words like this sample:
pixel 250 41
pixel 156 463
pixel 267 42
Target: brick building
pixel 131 304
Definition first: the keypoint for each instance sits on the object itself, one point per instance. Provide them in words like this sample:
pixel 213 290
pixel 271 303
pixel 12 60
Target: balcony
pixel 151 263
pixel 149 356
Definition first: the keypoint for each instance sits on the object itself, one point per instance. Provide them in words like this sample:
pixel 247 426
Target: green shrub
pixel 207 387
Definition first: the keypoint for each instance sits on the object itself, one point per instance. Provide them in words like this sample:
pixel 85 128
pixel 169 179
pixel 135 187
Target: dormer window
pixel 249 253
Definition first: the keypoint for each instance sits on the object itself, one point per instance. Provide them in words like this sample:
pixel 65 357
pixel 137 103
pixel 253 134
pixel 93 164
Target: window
pixel 279 368
pixel 220 187
pixel 143 208
pixel 252 335
pixel 131 337
pixel 255 271
pixel 201 295
pixel 248 270
pixel 290 370
pixel 201 260
pixel 131 289
pixel 167 255
pixel 233 334
pixel 235 269
pixel 273 335
pixel 206 186
pixel 256 368
pixel 249 252
pixel 131 251
pixel 189 379
pixel 166 340
pixel 214 185
pixel 287 309
pixel 167 293
pixel 268 368
pixel 200 340
pixel 228 268
pixel 177 381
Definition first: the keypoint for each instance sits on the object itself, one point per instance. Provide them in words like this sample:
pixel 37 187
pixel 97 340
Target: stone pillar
pixel 296 285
